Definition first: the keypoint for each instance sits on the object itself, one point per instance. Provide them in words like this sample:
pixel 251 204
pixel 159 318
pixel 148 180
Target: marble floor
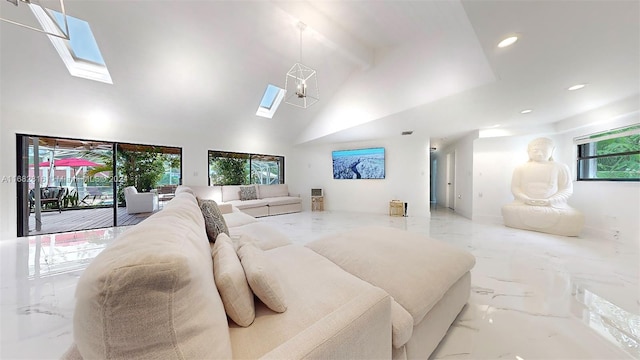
pixel 534 296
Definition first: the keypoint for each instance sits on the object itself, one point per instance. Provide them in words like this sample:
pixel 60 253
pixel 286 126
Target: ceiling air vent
pixel 407 132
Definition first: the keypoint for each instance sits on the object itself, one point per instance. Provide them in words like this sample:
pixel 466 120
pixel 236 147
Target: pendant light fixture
pixel 301 83
pixel 44 16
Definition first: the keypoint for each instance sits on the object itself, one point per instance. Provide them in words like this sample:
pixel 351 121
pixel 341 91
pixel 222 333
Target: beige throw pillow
pixel 262 277
pixel 231 282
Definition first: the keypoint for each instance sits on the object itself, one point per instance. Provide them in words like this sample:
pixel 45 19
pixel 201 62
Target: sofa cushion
pixel 225 208
pixel 153 284
pixel 186 189
pixel 261 235
pixel 248 193
pixel 237 218
pixel 230 193
pixel 213 219
pixel 429 267
pixel 401 325
pixel 207 192
pixel 248 204
pixel 263 277
pixel 276 190
pixel 316 290
pixel 231 282
pixel 283 200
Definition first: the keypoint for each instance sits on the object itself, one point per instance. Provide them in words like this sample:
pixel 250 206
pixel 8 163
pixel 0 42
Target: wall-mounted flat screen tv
pixel 358 164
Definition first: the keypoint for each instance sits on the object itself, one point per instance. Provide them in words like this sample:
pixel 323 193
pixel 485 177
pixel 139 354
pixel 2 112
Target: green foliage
pixel 619 166
pixel 229 171
pixel 143 168
pixel 71 199
pixel 171 175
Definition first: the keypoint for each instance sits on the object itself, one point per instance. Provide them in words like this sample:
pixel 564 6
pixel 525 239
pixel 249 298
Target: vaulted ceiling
pixel 383 66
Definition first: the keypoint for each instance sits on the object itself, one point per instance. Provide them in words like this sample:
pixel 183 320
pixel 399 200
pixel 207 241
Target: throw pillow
pixel 248 193
pixel 231 282
pixel 213 219
pixel 262 277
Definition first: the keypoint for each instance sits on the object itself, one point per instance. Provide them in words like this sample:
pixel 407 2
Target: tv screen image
pixel 358 164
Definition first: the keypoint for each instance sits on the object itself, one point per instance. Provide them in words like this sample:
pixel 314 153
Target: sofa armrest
pixel 360 329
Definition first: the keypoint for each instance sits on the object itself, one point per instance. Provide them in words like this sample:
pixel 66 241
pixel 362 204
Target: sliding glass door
pixel 71 184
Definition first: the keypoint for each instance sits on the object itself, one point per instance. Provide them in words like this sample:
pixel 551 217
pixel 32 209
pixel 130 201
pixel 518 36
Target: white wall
pixel 194 142
pixel 406 177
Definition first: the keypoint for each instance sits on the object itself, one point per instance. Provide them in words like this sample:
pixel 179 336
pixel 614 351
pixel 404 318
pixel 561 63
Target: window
pixel 610 155
pixel 266 169
pixel 230 168
pixel 80 54
pixel 270 101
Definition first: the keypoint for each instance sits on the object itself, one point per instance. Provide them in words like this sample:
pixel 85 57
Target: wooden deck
pixel 82 219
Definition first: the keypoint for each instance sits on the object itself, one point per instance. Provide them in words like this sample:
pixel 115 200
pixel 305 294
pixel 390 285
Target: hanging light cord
pixel 301 85
pixel 301 25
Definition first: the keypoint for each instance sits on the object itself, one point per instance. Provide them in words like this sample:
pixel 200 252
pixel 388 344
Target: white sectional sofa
pixel 270 199
pixel 152 293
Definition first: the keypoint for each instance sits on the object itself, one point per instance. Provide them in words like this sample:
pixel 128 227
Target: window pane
pixel 265 170
pixel 612 167
pixel 229 168
pixel 83 44
pixel 269 96
pixel 618 145
pixel 610 159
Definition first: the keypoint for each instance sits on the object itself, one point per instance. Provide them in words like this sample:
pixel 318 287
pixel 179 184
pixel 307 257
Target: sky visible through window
pixel 270 102
pixel 269 96
pixel 82 42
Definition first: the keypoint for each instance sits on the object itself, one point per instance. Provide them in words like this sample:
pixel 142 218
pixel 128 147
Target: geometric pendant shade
pixel 301 86
pixel 301 83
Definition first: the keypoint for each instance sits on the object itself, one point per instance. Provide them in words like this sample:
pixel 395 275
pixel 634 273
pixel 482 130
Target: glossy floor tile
pixel 534 296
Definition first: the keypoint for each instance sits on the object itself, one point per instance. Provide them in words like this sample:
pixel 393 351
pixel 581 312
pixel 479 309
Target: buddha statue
pixel 541 188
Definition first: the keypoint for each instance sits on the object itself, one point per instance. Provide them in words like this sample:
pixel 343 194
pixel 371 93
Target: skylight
pixel 80 54
pixel 270 101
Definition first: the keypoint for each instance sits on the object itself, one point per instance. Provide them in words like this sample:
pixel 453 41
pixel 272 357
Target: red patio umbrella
pixel 73 163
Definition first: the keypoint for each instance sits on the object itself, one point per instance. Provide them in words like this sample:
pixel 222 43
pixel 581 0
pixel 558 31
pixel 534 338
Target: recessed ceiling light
pixel 508 41
pixel 577 87
pixel 526 111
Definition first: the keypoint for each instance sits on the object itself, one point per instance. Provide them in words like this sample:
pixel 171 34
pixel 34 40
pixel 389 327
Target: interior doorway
pixel 433 180
pixel 451 181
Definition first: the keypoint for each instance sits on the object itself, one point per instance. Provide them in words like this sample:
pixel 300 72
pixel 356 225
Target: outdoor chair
pixel 165 193
pixel 140 202
pixel 48 195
